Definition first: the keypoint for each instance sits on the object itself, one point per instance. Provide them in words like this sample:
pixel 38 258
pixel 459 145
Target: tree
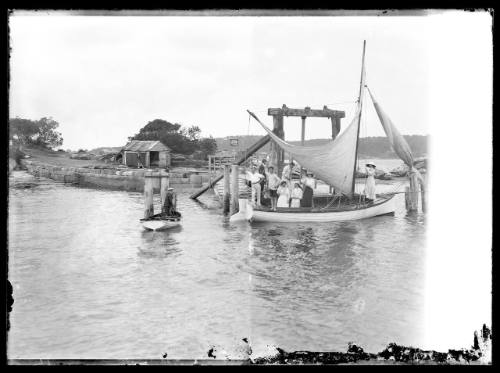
pixel 208 146
pixel 47 136
pixel 182 140
pixel 22 130
pixel 41 132
pixel 193 133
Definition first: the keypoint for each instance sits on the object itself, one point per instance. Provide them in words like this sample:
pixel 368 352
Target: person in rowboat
pixel 284 195
pixel 168 207
pixel 370 182
pixel 296 195
pixel 255 178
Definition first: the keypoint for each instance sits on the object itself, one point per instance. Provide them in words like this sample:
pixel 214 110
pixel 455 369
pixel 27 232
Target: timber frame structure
pixel 277 155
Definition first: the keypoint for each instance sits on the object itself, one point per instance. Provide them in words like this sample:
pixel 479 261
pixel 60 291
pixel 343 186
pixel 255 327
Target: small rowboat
pixel 160 222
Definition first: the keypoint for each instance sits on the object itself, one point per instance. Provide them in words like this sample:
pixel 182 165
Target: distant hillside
pixel 105 150
pixel 375 147
pixel 379 147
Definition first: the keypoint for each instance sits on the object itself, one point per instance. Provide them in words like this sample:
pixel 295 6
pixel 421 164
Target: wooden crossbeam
pixel 306 112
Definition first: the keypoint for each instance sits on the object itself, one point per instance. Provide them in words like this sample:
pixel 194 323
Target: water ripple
pixel 90 283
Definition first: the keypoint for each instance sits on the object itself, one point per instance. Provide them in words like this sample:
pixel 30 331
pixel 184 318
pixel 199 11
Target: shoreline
pixel 107 178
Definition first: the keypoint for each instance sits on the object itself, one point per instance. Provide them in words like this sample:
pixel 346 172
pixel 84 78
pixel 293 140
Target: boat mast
pixel 360 103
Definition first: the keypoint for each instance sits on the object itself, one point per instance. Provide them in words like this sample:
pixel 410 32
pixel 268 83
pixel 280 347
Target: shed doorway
pixel 154 159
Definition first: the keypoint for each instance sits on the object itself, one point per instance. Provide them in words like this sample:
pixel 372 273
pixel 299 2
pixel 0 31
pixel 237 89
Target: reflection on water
pixel 90 283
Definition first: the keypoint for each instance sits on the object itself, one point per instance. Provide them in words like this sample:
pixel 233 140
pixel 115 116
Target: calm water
pixel 90 283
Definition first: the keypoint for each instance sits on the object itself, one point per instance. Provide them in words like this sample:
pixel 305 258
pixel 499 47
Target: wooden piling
pixel 413 192
pixel 164 185
pixel 407 198
pixel 303 133
pixel 210 169
pixel 423 197
pixel 226 195
pixel 277 154
pixel 235 189
pixel 148 194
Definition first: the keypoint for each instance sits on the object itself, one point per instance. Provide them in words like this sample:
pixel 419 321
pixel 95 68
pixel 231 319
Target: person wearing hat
pixel 370 182
pixel 169 207
pixel 284 195
pixel 296 196
pixel 309 184
pixel 255 178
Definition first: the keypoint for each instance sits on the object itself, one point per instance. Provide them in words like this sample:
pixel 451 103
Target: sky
pixel 103 78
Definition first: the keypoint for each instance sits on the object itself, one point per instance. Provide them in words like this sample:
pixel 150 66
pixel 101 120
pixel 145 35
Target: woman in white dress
pixel 296 195
pixel 284 195
pixel 370 182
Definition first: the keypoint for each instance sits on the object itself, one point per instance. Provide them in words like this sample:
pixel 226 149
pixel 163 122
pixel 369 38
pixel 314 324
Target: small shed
pixel 146 153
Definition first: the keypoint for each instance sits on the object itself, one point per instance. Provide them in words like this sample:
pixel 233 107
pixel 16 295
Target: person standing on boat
pixel 309 184
pixel 255 178
pixel 370 182
pixel 273 182
pixel 286 174
pixel 263 171
pixel 296 195
pixel 284 195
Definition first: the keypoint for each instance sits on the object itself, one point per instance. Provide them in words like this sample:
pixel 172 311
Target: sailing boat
pixel 335 164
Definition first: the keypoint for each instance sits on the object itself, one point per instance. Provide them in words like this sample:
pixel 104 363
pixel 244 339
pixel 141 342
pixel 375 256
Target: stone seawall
pixel 104 178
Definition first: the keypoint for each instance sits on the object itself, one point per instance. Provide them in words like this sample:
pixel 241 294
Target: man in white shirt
pixel 255 178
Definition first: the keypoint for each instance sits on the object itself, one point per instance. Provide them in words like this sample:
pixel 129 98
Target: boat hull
pixel 158 225
pixel 384 207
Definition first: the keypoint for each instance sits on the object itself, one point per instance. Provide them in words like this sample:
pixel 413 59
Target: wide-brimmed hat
pixel 298 184
pixel 370 164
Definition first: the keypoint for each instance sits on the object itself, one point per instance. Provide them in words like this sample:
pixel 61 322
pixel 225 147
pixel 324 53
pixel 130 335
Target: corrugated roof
pixel 145 146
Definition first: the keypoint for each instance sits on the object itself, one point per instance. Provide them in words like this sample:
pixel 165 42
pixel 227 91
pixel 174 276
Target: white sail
pixel 332 162
pixel 397 141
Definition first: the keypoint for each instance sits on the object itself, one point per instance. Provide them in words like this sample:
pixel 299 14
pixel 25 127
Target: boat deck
pixel 343 206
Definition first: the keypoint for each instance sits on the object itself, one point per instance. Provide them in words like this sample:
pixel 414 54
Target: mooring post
pixel 164 185
pixel 303 133
pixel 413 191
pixel 226 196
pixel 407 198
pixel 235 189
pixel 148 194
pixel 422 193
